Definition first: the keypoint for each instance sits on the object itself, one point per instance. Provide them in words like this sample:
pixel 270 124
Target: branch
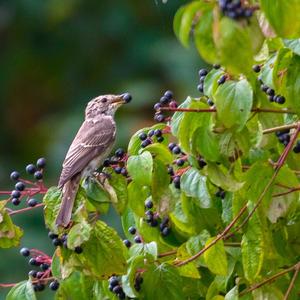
pixel 292 283
pixel 224 234
pixel 291 190
pixel 280 128
pixel 271 279
pixel 210 110
pixel 14 212
pixel 172 252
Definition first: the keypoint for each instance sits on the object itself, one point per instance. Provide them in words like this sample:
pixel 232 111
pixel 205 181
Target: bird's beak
pixel 122 99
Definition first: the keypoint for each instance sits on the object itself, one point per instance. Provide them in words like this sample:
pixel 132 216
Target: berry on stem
pixel 142 136
pixel 15 194
pixel 78 250
pixel 132 230
pixel 30 169
pixel 32 202
pixel 14 175
pixel 54 285
pixel 20 186
pixel 38 175
pixel 41 163
pixel 25 252
pixel 127 243
pixel 15 201
pixel 148 204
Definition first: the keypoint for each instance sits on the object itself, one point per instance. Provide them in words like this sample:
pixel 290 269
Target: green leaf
pixel 183 21
pixel 136 198
pixel 281 15
pixel 215 257
pixel 10 234
pixel 144 249
pixel 193 184
pixel 203 36
pixel 140 168
pixel 190 122
pixel 233 294
pixel 55 265
pixel 160 151
pixel 234 102
pixel 211 81
pixel 162 282
pixel 293 44
pixel 21 291
pixel 76 287
pixel 266 73
pixel 79 234
pixel 52 201
pixel 252 249
pixel 104 253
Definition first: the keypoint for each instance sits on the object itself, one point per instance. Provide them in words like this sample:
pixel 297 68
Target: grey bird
pixel 91 145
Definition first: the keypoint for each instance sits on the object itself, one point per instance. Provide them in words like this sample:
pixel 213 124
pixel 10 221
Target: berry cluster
pixel 62 241
pixel 117 162
pixel 202 75
pixel 167 100
pixel 34 188
pixel 137 238
pixel 234 9
pixel 271 94
pixel 115 287
pixel 164 226
pixel 180 161
pixel 40 278
pixel 150 137
pixel 284 137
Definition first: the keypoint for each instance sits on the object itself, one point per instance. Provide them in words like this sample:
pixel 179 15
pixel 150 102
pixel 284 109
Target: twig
pixel 287 192
pixel 172 252
pixel 14 212
pixel 292 283
pixel 271 279
pixel 280 128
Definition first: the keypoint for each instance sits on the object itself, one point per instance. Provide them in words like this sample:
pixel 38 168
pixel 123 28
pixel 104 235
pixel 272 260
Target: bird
pixel 90 147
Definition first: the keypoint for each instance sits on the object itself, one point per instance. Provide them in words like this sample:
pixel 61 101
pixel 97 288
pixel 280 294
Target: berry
pixel 171 146
pixel 210 102
pixel 142 136
pixel 30 169
pixel 270 92
pixel 52 235
pixel 160 139
pixel 44 266
pixel 113 281
pixel 170 171
pixel 173 104
pixel 157 132
pixel 106 162
pixel 15 201
pixel 271 98
pixel 154 223
pixel 221 80
pixel 248 13
pixel 54 285
pixel 216 66
pixel 165 220
pixel 279 99
pixel 256 68
pixel 124 172
pixel 203 72
pixel 176 150
pixel 180 162
pixel 202 78
pixel 157 106
pixel 119 153
pixel 20 186
pixel 25 252
pixel 117 289
pixel 176 182
pixel 39 287
pixel 39 275
pixel 32 261
pixel 159 117
pixel 200 87
pixel 169 95
pixel 164 100
pixel 32 202
pixel 56 242
pixel 132 230
pixel 151 133
pixel 14 175
pixel 137 239
pixel 41 163
pixel 118 170
pixel 15 194
pixel 149 215
pixel 127 243
pixel 127 97
pixel 78 250
pixel 202 163
pixel 38 175
pixel 264 88
pixel 146 143
pixel 148 204
pixel 285 137
pixel 296 149
pixel 32 273
pixel 165 231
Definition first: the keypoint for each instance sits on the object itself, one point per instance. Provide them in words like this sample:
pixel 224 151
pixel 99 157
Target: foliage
pixel 214 215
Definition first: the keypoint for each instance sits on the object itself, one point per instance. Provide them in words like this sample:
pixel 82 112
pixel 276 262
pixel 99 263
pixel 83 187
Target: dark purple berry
pixel 32 261
pixel 157 106
pixel 38 175
pixel 15 201
pixel 14 175
pixel 170 171
pixel 176 182
pixel 159 117
pixel 164 100
pixel 113 281
pixel 30 169
pixel 176 150
pixel 166 231
pixel 25 252
pixel 117 289
pixel 200 87
pixel 56 242
pixel 127 243
pixel 44 266
pixel 153 223
pixel 280 99
pixel 270 92
pixel 78 250
pixel 203 72
pixel 52 235
pixel 180 162
pixel 148 204
pixel 20 186
pixel 160 139
pixel 106 162
pixel 202 78
pixel 39 275
pixel 39 287
pixel 256 68
pixel 157 132
pixel 264 88
pixel 146 143
pixel 137 239
pixel 32 202
pixel 271 98
pixel 54 285
pixel 119 153
pixel 142 136
pixel 124 172
pixel 15 194
pixel 216 66
pixel 127 97
pixel 32 273
pixel 41 163
pixel 171 146
pixel 151 133
pixel 169 95
pixel 210 102
pixel 118 170
pixel 202 163
pixel 221 80
pixel 132 230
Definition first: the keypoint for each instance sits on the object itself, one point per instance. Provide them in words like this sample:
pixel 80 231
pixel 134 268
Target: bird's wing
pixel 92 139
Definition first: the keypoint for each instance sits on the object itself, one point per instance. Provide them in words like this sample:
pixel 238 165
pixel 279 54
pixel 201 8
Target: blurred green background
pixel 54 57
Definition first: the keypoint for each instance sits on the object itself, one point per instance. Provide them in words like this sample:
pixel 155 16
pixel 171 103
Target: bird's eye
pixel 104 100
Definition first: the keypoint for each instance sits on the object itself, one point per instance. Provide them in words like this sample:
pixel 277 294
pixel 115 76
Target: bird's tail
pixel 70 189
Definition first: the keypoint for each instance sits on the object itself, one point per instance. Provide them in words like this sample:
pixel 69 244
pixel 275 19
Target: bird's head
pixel 106 104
